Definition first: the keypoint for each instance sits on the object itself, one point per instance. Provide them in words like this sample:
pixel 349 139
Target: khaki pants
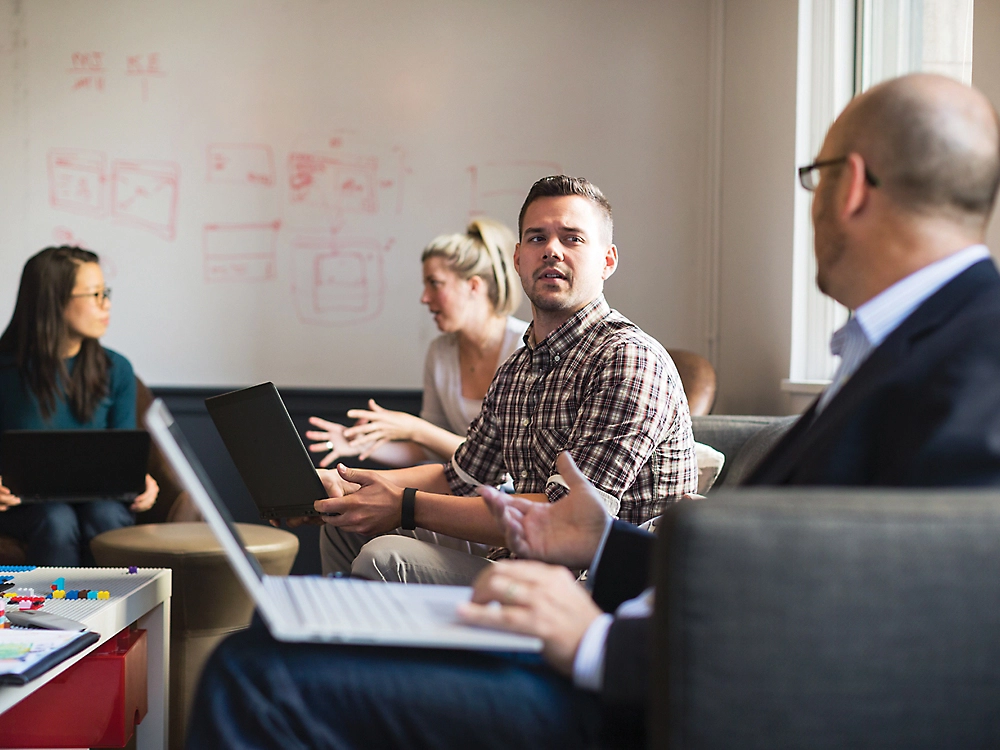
pixel 401 556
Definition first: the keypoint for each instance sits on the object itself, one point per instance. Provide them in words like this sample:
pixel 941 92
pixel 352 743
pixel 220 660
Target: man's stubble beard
pixel 544 302
pixel 828 238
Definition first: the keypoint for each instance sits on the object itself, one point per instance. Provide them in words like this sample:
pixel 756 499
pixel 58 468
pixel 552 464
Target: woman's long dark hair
pixel 36 335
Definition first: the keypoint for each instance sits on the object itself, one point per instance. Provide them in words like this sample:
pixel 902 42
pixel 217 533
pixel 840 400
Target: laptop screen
pixel 75 464
pixel 267 451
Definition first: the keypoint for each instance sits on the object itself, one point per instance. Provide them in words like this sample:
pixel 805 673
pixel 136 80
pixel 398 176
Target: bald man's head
pixel 932 143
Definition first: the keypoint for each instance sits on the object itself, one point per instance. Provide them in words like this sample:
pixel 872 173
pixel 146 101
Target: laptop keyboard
pixel 366 606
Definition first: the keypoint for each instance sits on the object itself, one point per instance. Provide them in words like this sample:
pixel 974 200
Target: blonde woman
pixel 471 289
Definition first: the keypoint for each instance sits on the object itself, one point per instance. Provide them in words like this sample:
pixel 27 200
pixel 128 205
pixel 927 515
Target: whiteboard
pixel 260 176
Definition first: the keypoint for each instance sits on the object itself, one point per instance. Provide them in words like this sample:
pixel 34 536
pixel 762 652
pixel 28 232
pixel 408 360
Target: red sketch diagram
pixel 144 67
pixel 338 183
pixel 76 181
pixel 334 177
pixel 495 183
pixel 87 71
pixel 241 163
pixel 240 252
pixel 338 280
pixel 144 195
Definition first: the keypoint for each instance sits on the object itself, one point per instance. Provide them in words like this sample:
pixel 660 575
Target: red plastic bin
pixel 95 703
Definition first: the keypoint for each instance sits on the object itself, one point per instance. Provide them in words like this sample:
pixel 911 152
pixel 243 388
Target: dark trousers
pixel 257 692
pixel 60 533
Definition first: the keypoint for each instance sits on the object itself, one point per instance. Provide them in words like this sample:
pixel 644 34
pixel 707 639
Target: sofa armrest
pixel 743 439
pixel 829 619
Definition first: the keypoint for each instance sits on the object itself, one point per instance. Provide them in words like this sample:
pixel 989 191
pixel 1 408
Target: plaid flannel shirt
pixel 599 388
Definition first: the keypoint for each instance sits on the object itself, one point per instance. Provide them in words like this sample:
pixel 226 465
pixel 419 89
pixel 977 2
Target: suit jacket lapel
pixel 812 434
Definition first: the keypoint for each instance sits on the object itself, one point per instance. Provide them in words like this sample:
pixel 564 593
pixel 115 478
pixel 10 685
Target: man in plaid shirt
pixel 588 381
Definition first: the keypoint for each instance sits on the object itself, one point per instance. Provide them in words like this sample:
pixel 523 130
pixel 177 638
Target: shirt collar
pixel 883 313
pixel 566 335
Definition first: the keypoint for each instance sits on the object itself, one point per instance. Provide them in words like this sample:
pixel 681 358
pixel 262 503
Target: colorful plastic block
pixel 132 569
pixel 59 594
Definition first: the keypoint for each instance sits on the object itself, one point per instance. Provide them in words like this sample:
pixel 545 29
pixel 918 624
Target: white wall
pixel 986 77
pixel 739 309
pixel 758 184
pixel 614 92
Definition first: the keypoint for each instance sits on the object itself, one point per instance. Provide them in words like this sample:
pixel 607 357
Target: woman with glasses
pixel 471 289
pixel 54 374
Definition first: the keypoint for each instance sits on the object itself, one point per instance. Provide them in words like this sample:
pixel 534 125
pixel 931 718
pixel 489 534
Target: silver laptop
pixel 330 610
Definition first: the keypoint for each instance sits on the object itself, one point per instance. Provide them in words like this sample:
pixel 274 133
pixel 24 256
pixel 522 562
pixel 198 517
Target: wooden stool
pixel 207 603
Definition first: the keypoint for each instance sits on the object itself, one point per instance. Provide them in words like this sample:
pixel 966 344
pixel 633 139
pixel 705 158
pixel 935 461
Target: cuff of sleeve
pixel 641 606
pixel 459 480
pixel 588 665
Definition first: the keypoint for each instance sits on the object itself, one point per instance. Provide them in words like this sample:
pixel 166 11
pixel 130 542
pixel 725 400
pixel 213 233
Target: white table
pixel 142 598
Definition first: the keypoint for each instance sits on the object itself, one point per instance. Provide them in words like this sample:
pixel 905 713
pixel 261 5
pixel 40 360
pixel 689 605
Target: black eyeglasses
pixel 100 297
pixel 809 177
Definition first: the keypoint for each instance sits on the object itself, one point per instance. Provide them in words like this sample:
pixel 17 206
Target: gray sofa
pixel 744 440
pixel 792 618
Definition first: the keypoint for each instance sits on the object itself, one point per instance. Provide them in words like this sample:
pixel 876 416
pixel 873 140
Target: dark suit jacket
pixel 922 410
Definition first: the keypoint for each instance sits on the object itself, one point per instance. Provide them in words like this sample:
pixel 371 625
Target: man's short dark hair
pixel 560 185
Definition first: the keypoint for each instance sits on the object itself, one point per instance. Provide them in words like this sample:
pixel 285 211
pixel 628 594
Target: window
pixel 846 46
pixel 900 36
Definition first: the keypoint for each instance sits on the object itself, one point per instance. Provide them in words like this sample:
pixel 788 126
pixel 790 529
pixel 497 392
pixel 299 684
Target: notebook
pixel 267 450
pixel 330 610
pixel 74 466
pixel 27 653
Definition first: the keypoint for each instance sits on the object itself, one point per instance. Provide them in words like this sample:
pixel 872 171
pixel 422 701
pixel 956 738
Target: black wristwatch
pixel 408 513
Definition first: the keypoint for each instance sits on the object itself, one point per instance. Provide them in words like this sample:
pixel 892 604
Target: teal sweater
pixel 19 408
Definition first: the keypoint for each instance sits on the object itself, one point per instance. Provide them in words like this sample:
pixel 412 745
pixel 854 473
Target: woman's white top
pixel 443 403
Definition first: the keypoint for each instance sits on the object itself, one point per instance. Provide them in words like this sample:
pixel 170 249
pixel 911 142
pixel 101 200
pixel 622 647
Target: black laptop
pixel 74 466
pixel 267 450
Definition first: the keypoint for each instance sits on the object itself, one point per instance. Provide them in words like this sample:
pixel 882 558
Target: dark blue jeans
pixel 257 692
pixel 60 533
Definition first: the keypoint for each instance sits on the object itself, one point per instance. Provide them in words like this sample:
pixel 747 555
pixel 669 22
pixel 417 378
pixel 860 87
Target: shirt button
pixel 524 474
pixel 525 422
pixel 556 358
